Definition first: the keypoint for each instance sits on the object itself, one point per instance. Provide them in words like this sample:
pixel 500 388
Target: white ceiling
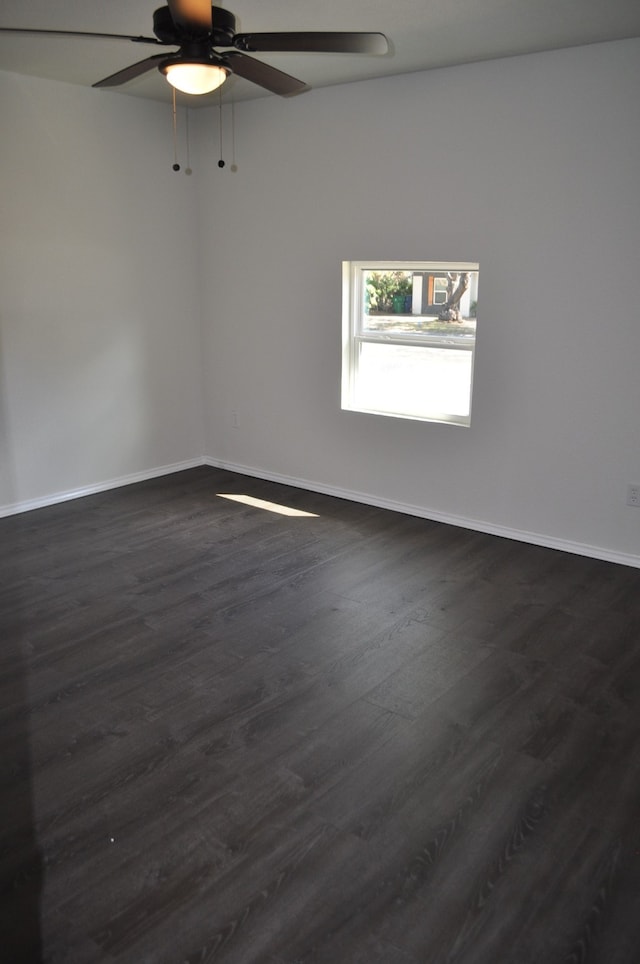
pixel 422 34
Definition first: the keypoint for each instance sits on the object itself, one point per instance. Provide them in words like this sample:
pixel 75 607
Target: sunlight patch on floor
pixel 269 506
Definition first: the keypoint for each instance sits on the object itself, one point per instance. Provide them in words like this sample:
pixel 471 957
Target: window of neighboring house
pixel 439 290
pixel 409 335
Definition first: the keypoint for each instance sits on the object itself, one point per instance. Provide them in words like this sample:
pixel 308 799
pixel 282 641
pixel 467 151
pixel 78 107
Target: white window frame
pixel 353 335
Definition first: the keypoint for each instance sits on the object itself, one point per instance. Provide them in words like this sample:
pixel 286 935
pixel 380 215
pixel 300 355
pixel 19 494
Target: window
pixel 409 334
pixel 439 290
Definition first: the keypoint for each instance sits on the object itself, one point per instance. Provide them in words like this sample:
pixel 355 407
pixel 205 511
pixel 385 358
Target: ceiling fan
pixel 204 36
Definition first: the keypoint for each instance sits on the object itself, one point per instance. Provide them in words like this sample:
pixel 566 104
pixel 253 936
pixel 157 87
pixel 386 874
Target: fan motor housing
pixel 224 28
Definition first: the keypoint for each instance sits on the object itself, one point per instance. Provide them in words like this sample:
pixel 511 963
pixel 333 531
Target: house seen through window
pixel 409 335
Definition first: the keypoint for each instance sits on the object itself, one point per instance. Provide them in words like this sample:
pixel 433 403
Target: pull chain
pixel 176 166
pixel 234 166
pixel 187 169
pixel 220 162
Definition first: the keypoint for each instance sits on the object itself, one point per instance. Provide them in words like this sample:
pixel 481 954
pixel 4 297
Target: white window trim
pixel 353 336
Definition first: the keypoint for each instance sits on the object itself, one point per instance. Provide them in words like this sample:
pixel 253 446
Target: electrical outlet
pixel 633 495
pixel 234 420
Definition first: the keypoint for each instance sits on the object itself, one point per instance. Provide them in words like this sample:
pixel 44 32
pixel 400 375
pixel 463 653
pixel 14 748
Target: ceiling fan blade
pixel 135 70
pixel 263 74
pixel 193 17
pixel 313 42
pixel 81 33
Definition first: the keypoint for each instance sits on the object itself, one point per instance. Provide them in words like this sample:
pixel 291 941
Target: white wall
pixel 528 165
pixel 99 319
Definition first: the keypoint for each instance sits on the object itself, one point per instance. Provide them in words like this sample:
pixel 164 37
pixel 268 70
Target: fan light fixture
pixel 192 77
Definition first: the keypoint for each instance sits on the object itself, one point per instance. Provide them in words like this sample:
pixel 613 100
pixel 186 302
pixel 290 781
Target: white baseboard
pixel 519 535
pixel 40 503
pixel 421 512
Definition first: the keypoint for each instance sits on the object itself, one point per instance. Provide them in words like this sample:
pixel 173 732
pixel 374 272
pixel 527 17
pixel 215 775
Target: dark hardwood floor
pixel 231 735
